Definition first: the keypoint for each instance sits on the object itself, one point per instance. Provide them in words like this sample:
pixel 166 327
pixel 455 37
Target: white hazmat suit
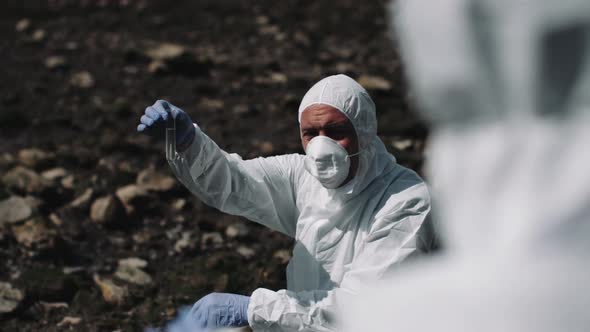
pixel 507 87
pixel 344 237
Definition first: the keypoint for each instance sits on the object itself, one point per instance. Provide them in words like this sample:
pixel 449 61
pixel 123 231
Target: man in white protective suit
pixel 506 85
pixel 354 213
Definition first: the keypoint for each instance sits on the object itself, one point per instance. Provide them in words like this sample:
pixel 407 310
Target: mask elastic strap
pixel 356 154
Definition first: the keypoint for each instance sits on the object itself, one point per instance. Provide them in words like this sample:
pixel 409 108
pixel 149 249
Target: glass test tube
pixel 170 138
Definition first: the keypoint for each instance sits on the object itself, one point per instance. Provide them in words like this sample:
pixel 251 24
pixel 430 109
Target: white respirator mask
pixel 327 161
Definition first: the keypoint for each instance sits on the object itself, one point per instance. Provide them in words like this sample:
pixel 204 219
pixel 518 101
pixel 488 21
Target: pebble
pixel 34 158
pixel 6 160
pixel 56 62
pixel 212 240
pixel 110 291
pixel 14 209
pixel 266 147
pixel 374 83
pixel 186 242
pixel 32 232
pixel 246 252
pixel 10 297
pixel 283 256
pixel 131 195
pixel 133 262
pixel 23 24
pixel 24 179
pixel 157 67
pixel 179 204
pixel 402 144
pixel 38 35
pixel 54 174
pixel 150 179
pixel 165 51
pixel 68 182
pixel 69 320
pixel 107 209
pixel 83 201
pixel 237 230
pixel 82 80
pixel 133 274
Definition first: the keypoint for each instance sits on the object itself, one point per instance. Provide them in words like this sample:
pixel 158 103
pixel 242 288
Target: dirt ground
pixel 76 77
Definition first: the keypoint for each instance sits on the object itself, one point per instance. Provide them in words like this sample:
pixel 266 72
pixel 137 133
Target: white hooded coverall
pixel 344 237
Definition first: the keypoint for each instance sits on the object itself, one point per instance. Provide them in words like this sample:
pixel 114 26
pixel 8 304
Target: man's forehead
pixel 323 115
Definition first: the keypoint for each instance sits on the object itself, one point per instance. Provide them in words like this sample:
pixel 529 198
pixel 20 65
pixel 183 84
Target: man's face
pixel 325 120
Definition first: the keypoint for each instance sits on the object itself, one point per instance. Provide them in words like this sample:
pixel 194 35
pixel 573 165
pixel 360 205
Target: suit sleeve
pixel 261 189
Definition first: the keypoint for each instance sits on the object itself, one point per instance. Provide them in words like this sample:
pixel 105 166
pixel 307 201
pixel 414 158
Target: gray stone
pixel 186 242
pixel 69 321
pixel 38 35
pixel 246 252
pixel 68 182
pixel 111 292
pixel 34 202
pixel 10 297
pixel 374 83
pixel 211 240
pixel 24 179
pixel 271 79
pixel 82 80
pixel 54 174
pixel 55 62
pixel 240 109
pixel 7 160
pixel 179 204
pixel 150 179
pixel 83 201
pixel 14 209
pixel 108 209
pixel 211 104
pixel 157 67
pixel 133 262
pixel 33 232
pixel 283 256
pixel 165 51
pixel 23 24
pixel 237 230
pixel 133 274
pixel 402 144
pixel 132 195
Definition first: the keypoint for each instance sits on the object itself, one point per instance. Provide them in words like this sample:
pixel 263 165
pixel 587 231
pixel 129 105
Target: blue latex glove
pixel 218 310
pixel 153 123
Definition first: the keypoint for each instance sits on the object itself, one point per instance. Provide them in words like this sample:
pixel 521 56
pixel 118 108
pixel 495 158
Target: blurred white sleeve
pixel 260 189
pixel 397 233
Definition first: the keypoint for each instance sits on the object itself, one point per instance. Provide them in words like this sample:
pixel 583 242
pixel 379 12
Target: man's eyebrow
pixel 334 125
pixel 342 124
pixel 308 129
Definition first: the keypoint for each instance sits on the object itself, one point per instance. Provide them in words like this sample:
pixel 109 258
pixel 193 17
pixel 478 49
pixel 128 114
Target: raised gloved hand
pixel 153 123
pixel 218 310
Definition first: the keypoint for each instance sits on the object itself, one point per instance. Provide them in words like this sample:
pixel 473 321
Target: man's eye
pixel 337 134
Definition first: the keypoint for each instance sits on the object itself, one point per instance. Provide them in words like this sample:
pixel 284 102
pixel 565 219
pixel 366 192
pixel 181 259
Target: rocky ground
pixel 95 233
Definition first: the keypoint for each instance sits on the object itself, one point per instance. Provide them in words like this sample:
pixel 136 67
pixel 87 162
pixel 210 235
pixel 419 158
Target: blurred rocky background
pixel 95 233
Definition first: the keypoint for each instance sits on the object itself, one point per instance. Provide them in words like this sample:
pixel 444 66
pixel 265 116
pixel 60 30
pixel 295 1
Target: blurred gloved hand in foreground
pixel 213 312
pixel 218 310
pixel 153 123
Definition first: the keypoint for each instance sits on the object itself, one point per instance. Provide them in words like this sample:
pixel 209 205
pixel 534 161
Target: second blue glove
pixel 221 310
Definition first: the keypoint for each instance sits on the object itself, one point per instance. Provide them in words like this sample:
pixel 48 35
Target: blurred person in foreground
pixel 354 213
pixel 506 85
